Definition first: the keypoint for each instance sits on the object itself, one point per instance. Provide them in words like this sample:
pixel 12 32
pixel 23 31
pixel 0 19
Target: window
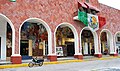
pixel 94 12
pixel 87 1
pixel 81 9
pixel 89 11
pixel 118 39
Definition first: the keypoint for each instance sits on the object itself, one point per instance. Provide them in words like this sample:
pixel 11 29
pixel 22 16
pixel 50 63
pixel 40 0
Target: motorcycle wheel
pixel 30 64
pixel 41 63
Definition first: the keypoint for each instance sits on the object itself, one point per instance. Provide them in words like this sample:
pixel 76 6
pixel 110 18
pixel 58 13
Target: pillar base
pixel 114 54
pixel 52 57
pixel 16 59
pixel 78 56
pixel 98 55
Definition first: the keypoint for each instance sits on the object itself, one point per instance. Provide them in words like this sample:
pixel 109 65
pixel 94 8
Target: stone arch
pixel 47 28
pixel 13 35
pixel 115 42
pixel 95 37
pixel 76 46
pixel 109 41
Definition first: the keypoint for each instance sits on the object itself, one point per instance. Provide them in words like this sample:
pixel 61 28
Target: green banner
pixel 82 16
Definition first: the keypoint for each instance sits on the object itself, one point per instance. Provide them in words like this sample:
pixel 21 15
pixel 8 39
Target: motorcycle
pixel 36 61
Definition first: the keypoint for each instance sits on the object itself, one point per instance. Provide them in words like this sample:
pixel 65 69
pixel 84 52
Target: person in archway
pixel 106 51
pixel 117 50
pixel 92 51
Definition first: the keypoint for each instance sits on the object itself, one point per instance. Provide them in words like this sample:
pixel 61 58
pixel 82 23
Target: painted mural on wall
pixel 35 32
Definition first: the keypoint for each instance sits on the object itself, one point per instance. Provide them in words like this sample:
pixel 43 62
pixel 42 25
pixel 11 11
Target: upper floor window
pixel 87 1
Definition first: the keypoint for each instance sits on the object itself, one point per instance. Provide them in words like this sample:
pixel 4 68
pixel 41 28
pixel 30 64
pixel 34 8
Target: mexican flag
pixel 89 20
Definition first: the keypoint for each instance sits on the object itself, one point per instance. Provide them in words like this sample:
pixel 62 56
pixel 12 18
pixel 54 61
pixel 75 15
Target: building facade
pixel 52 29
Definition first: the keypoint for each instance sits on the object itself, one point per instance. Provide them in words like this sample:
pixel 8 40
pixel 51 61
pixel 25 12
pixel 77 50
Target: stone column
pixel 97 45
pixel 3 39
pixel 16 57
pixel 78 50
pixel 113 49
pixel 51 47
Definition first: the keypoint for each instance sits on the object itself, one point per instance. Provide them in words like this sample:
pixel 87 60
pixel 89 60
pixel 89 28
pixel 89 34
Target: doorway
pixel 105 49
pixel 65 42
pixel 70 48
pixel 24 47
pixel 87 42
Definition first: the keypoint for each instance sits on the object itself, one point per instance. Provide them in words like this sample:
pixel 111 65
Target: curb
pixel 56 62
pixel 45 63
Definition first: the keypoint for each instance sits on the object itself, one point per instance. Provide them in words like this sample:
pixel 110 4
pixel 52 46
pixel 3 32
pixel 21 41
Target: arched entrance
pixel 89 41
pixel 7 35
pixel 66 40
pixel 34 41
pixel 106 42
pixel 117 42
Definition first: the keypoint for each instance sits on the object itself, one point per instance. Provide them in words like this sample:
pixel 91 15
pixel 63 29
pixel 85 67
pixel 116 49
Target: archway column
pixel 3 39
pixel 113 49
pixel 78 53
pixel 98 49
pixel 52 56
pixel 16 57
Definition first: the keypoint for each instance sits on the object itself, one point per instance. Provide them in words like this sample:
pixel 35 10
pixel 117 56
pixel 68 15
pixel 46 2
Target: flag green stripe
pixel 82 16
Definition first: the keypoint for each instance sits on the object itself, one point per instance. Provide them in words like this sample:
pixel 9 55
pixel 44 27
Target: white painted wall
pixel 112 49
pixel 95 36
pixel 3 25
pixel 85 48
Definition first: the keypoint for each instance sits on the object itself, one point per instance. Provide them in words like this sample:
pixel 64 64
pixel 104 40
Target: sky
pixel 111 3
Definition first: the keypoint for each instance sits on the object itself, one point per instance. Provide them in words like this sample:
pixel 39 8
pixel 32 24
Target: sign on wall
pixel 59 51
pixel 93 22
